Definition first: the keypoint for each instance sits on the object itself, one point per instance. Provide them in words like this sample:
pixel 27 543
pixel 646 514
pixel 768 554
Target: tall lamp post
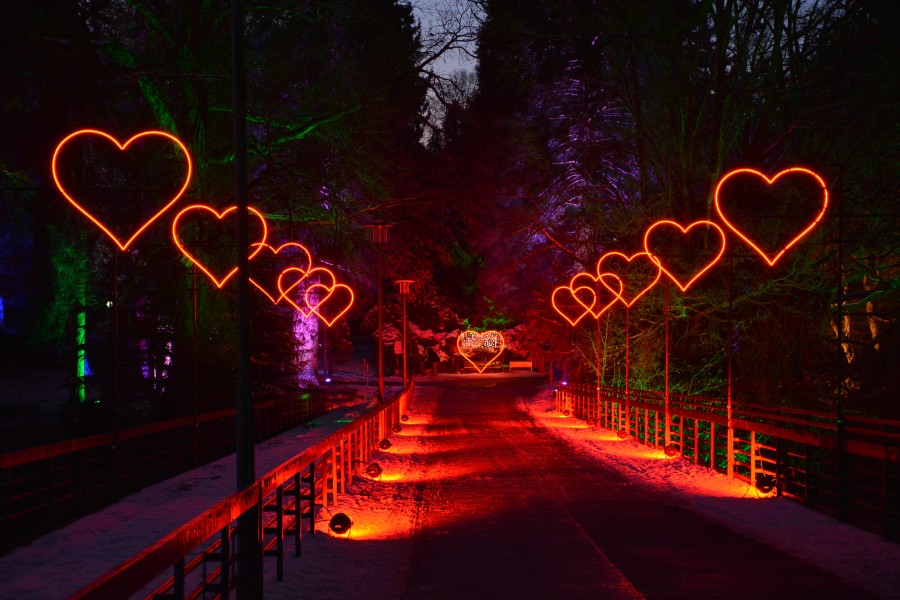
pixel 404 293
pixel 379 240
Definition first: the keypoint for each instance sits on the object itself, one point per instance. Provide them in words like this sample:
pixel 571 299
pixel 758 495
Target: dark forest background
pixel 584 122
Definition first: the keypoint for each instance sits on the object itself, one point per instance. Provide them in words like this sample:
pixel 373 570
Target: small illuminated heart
pixel 329 303
pixel 680 252
pixel 771 215
pixel 199 214
pixel 266 263
pixel 637 273
pixel 294 281
pixel 480 348
pixel 147 205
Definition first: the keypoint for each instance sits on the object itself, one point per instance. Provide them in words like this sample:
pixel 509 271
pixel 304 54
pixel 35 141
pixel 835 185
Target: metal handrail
pixel 144 568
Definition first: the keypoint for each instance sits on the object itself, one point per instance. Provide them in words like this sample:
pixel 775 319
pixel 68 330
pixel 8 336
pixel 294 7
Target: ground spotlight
pixel 374 470
pixel 396 428
pixel 622 434
pixel 340 524
pixel 671 450
pixel 765 482
pixel 404 418
pixel 566 412
pixel 384 444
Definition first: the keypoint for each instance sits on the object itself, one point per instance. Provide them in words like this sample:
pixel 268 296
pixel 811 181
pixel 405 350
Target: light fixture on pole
pixel 404 293
pixel 379 240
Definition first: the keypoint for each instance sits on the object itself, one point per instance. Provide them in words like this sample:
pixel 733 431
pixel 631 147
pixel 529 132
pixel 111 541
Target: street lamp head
pixel 403 285
pixel 380 232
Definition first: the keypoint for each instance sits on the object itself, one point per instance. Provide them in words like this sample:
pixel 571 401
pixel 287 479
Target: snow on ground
pixel 62 562
pixel 373 560
pixel 858 556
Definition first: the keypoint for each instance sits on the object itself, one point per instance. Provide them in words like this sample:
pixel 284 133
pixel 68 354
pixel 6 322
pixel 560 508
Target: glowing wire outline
pixel 480 335
pixel 276 252
pixel 684 231
pixel 121 147
pixel 628 259
pixel 259 245
pixel 768 181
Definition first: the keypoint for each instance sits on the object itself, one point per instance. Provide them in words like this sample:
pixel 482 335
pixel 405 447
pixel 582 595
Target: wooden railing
pixel 848 470
pixel 200 553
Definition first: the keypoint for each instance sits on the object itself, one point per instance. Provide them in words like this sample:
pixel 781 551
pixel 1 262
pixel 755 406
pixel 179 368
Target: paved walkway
pixel 522 520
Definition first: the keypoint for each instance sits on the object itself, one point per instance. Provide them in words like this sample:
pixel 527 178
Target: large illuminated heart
pixel 638 274
pixel 476 346
pixel 271 260
pixel 329 303
pixel 796 199
pixel 201 212
pixel 605 288
pixel 158 205
pixel 674 248
pixel 293 281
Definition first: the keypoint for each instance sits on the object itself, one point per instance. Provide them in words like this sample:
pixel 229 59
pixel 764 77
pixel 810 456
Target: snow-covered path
pixel 394 517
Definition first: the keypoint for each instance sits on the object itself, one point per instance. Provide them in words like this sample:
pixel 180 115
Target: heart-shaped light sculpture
pixel 628 269
pixel 297 254
pixel 771 256
pixel 474 345
pixel 329 303
pixel 129 144
pixel 664 230
pixel 204 211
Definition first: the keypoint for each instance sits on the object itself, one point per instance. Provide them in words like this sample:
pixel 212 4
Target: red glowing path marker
pixel 304 253
pixel 258 245
pixel 122 245
pixel 799 236
pixel 473 341
pixel 640 257
pixel 684 231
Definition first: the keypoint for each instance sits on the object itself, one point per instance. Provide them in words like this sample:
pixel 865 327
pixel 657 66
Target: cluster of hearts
pixel 582 296
pixel 309 290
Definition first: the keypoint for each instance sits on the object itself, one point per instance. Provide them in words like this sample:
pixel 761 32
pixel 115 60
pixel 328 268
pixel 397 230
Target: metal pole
pixel 729 468
pixel 405 379
pixel 248 584
pixel 666 437
pixel 627 399
pixel 380 330
pixel 842 504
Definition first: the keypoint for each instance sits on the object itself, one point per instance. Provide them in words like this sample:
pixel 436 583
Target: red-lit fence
pixel 200 553
pixel 44 487
pixel 848 470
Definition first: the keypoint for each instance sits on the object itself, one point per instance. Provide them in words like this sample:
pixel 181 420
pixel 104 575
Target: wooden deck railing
pixel 848 470
pixel 200 553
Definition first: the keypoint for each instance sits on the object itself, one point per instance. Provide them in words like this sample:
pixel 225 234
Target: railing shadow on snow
pixel 201 553
pixel 848 470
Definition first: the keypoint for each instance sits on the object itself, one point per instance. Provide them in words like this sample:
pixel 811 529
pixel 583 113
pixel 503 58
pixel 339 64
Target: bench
pixel 520 364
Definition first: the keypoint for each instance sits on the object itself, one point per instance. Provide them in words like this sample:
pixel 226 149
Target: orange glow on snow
pixel 122 147
pixel 665 224
pixel 231 211
pixel 773 258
